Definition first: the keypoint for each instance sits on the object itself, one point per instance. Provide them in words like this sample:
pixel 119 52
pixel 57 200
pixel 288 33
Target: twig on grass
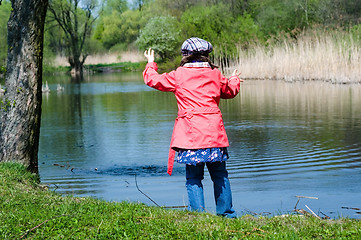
pixel 99 226
pixel 176 206
pixel 39 225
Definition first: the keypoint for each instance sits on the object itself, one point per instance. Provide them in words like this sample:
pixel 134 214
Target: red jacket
pixel 198 90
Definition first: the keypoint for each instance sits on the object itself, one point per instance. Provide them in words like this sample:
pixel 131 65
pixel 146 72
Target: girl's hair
pixel 197 58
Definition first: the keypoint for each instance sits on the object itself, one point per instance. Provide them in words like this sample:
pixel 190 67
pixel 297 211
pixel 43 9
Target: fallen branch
pixel 176 207
pixel 302 211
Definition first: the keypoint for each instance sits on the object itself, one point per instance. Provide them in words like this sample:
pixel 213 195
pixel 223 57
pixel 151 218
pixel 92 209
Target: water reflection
pixel 286 139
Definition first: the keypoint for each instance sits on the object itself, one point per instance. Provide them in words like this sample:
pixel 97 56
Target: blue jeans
pixel 221 187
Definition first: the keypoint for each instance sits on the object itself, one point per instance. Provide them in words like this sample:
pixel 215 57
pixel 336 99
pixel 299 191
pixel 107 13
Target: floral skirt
pixel 195 156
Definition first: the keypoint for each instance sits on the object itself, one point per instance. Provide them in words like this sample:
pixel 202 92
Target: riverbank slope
pixel 29 210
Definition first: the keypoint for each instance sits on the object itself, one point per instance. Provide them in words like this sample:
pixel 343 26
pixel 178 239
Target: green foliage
pixel 2 70
pixel 338 12
pixel 5 10
pixel 162 35
pixel 54 43
pixel 75 19
pixel 170 64
pixel 119 6
pixel 282 16
pixel 119 29
pixel 356 33
pixel 30 211
pixel 248 31
pixel 215 24
pixel 6 104
pixel 114 67
pixel 228 25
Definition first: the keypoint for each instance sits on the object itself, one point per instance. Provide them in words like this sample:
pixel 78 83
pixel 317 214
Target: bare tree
pixel 76 20
pixel 21 105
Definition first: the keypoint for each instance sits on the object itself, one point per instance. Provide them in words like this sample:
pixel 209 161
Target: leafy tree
pixel 215 24
pixel 178 7
pixel 160 34
pixel 274 16
pixel 171 7
pixel 123 29
pixel 76 20
pixel 119 6
pixel 5 10
pixel 339 12
pixel 247 31
pixel 20 108
pixel 139 4
pixel 54 39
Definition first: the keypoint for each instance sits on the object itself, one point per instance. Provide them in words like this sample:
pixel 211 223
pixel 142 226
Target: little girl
pixel 198 136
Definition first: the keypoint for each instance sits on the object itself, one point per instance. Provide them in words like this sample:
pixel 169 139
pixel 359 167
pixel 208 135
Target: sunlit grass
pixel 314 55
pixel 30 211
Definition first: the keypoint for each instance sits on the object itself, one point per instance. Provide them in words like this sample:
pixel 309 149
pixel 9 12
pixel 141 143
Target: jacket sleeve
pixel 164 82
pixel 230 87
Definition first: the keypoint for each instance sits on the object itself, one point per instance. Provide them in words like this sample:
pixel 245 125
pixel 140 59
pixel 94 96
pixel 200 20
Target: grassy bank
pixel 30 211
pixel 98 68
pixel 110 62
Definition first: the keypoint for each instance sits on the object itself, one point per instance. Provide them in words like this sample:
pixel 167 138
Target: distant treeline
pixel 229 25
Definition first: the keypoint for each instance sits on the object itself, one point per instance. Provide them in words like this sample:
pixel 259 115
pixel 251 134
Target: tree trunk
pixel 21 104
pixel 76 68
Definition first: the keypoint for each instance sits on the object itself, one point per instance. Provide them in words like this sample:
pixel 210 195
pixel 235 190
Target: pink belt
pixel 188 113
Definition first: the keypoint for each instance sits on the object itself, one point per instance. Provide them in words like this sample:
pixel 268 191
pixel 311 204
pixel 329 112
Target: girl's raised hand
pixel 149 54
pixel 235 73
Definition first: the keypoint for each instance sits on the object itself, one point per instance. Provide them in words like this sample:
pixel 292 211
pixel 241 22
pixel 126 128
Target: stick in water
pixel 314 214
pixel 136 184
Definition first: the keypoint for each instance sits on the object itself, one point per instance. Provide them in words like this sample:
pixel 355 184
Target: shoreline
pixel 31 210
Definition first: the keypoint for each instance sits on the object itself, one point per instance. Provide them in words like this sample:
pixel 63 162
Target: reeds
pixel 106 58
pixel 314 55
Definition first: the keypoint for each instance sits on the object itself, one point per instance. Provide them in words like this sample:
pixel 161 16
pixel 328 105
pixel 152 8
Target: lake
pixel 111 133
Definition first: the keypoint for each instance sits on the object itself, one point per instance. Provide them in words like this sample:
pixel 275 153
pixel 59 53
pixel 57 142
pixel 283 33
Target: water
pixel 286 140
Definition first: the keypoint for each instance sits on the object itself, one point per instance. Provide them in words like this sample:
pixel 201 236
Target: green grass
pixel 122 67
pixel 30 211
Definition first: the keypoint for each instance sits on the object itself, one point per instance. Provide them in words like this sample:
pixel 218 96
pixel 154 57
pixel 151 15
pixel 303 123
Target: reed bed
pixel 106 58
pixel 333 57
